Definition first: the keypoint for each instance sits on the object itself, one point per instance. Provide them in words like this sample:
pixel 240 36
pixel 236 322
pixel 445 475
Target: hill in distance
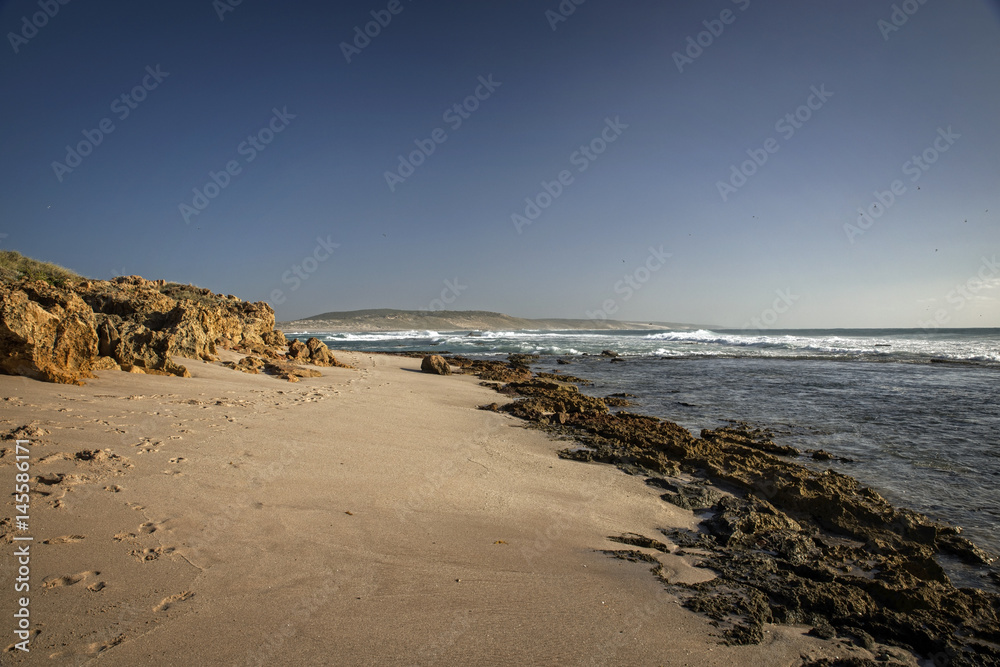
pixel 387 319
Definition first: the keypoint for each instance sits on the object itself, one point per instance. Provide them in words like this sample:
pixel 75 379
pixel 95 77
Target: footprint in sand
pixel 98 647
pixel 94 588
pixel 52 458
pixel 167 603
pixel 147 445
pixel 153 526
pixel 146 555
pixel 68 580
pixel 178 459
pixel 48 479
pixel 149 527
pixel 65 539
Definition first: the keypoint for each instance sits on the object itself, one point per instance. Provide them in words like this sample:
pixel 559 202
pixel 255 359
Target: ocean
pixel 917 412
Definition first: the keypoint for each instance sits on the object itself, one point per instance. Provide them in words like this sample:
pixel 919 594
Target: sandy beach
pixel 500 333
pixel 369 516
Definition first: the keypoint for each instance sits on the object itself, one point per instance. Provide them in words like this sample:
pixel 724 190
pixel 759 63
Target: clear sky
pixel 715 179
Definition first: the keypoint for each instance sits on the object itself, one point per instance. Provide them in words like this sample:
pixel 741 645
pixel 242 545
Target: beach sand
pixel 369 516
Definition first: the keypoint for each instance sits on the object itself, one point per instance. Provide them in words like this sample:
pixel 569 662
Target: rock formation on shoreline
pixel 436 364
pixel 313 351
pixel 787 544
pixel 63 333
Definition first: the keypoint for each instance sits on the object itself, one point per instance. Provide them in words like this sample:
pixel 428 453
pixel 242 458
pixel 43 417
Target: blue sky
pixel 649 221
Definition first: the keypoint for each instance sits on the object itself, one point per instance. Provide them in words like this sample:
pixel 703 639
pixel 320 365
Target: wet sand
pixel 369 516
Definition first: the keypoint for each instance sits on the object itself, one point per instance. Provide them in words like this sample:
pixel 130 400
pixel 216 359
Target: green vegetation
pixel 15 267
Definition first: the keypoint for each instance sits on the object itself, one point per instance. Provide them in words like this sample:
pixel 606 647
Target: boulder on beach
pixel 436 364
pixel 608 353
pixel 313 351
pixel 297 351
pixel 319 353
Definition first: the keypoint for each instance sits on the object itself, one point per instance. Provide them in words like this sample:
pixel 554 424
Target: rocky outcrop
pixel 313 351
pixel 494 371
pixel 297 351
pixel 46 333
pixel 289 371
pixel 196 320
pixel 551 399
pixel 248 364
pixel 62 334
pixel 436 364
pixel 319 353
pixel 138 349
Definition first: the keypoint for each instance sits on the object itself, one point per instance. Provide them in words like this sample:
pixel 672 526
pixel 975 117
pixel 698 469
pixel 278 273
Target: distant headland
pixel 388 319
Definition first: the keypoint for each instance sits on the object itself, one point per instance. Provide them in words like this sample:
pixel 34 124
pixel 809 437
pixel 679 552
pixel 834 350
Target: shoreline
pixel 788 543
pixel 372 514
